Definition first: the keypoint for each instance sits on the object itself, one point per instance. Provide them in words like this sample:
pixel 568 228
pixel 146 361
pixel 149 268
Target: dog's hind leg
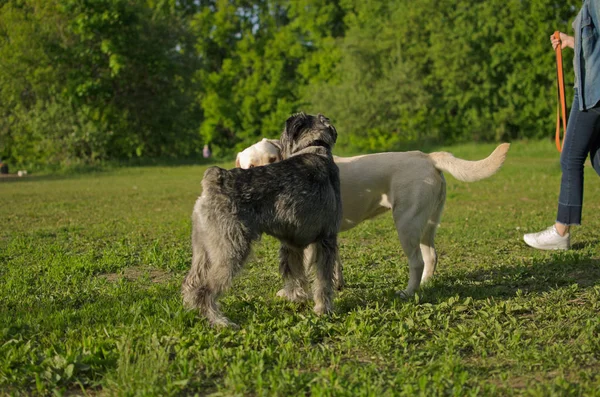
pixel 292 270
pixel 201 287
pixel 409 233
pixel 428 253
pixel 212 272
pixel 428 247
pixel 326 255
pixel 192 288
pixel 428 238
pixel 220 276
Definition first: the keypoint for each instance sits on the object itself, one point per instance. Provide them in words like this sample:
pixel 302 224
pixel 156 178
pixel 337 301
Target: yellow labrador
pixel 264 152
pixel 411 184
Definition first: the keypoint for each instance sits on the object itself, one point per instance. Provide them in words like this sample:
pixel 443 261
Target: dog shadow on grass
pixel 545 272
pixel 531 276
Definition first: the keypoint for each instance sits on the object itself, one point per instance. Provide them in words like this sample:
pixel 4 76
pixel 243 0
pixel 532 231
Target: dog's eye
pixel 272 160
pixel 251 166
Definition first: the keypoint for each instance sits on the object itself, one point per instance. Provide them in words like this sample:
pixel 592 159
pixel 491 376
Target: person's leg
pixel 582 134
pixel 582 131
pixel 594 151
pixel 564 228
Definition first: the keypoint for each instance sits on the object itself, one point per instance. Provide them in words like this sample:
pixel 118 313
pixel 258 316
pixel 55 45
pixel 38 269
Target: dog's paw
pixel 218 320
pixel 426 278
pixel 321 309
pixel 224 322
pixel 295 295
pixel 405 294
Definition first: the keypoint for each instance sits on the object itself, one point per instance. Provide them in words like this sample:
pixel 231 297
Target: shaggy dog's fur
pixel 296 200
pixel 411 184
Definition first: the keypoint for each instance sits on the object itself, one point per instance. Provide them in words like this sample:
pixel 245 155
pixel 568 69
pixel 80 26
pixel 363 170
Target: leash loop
pixel 561 100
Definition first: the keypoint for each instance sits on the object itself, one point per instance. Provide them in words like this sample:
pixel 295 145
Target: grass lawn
pixel 91 267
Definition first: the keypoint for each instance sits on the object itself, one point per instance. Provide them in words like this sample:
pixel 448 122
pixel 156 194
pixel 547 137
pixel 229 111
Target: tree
pixel 444 72
pixel 257 58
pixel 86 80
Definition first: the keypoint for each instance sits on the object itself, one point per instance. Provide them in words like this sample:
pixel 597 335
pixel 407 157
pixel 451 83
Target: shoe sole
pixel 547 248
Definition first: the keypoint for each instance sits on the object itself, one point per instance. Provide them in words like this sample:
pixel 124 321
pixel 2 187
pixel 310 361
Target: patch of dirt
pixel 585 278
pixel 138 272
pixel 524 381
pixel 515 381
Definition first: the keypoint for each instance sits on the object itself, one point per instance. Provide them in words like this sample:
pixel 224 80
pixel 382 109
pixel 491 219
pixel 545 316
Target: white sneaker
pixel 548 239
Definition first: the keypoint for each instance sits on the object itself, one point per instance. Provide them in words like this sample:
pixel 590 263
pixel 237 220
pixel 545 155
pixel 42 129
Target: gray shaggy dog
pixel 296 200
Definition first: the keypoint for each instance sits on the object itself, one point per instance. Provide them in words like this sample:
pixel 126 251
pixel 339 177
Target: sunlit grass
pixel 91 266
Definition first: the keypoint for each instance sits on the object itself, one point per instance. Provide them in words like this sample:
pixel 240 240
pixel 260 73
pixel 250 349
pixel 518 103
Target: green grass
pixel 91 267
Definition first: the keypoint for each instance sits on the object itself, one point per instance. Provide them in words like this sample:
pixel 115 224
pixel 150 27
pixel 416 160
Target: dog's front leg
pixel 291 267
pixel 310 257
pixel 326 254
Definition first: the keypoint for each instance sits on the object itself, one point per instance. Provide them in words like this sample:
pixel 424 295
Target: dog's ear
pixel 295 122
pixel 333 133
pixel 237 161
pixel 275 142
pixel 325 121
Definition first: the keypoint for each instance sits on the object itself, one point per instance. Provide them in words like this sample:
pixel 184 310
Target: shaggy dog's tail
pixel 213 178
pixel 470 171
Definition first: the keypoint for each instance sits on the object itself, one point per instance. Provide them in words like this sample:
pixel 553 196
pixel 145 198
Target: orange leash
pixel 562 102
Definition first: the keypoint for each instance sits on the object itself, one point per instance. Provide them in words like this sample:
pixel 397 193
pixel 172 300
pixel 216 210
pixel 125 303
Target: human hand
pixel 565 41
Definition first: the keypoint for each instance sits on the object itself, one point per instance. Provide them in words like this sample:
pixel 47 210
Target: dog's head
pixel 304 131
pixel 264 152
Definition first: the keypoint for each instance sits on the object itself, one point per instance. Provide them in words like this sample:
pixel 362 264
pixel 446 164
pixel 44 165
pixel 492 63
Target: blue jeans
pixel 583 137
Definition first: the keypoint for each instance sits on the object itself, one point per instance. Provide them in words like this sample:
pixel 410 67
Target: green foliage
pixel 82 81
pixel 91 271
pixel 258 57
pixel 445 72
